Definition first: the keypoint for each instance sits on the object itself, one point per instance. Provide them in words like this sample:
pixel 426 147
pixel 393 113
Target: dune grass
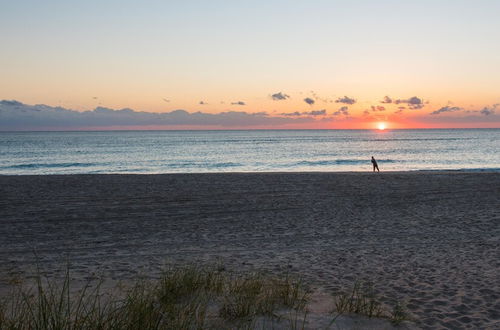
pixel 261 296
pixel 186 298
pixel 363 300
pixel 182 298
pixel 399 314
pixel 360 300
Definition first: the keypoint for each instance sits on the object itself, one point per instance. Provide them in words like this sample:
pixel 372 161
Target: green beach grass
pixel 362 300
pixel 189 297
pixel 184 298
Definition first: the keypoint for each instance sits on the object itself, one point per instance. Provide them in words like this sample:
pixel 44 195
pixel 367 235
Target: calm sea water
pixel 241 151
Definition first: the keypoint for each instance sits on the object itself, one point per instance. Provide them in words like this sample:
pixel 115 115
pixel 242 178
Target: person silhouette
pixel 375 165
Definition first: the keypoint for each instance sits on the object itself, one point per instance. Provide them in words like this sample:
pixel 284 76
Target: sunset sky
pixel 292 64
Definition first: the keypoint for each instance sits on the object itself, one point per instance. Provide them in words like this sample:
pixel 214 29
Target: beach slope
pixel 430 239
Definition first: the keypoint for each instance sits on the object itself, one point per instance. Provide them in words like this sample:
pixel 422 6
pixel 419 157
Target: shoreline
pixel 430 239
pixel 382 172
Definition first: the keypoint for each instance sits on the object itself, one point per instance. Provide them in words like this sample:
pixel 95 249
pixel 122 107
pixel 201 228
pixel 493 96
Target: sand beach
pixel 429 239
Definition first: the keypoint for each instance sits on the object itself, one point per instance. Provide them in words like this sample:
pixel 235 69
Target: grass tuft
pixel 258 295
pixel 399 314
pixel 360 300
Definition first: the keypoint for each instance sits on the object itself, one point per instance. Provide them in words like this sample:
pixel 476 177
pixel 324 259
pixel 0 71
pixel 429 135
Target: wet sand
pixel 430 239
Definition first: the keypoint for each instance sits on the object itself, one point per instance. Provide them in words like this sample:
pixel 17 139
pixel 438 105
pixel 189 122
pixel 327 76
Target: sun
pixel 381 126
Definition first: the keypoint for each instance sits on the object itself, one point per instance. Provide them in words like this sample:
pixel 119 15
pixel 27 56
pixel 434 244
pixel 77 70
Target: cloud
pixel 487 115
pixel 378 108
pixel 400 110
pixel 386 100
pixel 411 100
pixel 446 109
pixel 474 117
pixel 309 100
pixel 296 113
pixel 345 100
pixel 10 103
pixel 342 111
pixel 279 96
pixel 316 112
pixel 488 111
pixel 306 113
pixel 413 103
pixel 238 103
pixel 17 116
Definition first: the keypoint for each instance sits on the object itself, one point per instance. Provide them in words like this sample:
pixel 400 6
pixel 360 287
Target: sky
pixel 292 64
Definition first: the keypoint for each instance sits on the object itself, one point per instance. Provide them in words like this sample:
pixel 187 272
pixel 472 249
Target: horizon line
pixel 250 129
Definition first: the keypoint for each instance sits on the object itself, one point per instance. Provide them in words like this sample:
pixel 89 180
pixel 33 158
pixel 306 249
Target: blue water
pixel 244 151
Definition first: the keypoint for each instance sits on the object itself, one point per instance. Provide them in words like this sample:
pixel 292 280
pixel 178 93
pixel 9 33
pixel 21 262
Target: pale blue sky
pixel 135 53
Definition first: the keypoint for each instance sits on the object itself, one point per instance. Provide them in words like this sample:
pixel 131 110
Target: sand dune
pixel 430 239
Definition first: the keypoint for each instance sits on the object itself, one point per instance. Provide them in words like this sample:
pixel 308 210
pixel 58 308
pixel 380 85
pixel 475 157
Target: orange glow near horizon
pixel 283 116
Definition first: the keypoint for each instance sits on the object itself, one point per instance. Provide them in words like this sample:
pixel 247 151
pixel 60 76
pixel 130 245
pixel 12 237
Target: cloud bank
pixel 15 115
pixel 486 111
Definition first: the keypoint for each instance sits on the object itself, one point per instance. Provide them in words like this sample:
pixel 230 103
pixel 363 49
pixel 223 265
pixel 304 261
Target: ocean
pixel 247 151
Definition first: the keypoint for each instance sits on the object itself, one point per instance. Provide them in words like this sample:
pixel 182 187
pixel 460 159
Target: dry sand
pixel 430 239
